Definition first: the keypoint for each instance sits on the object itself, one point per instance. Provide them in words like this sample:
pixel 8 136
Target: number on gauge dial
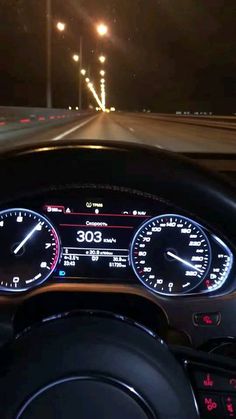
pixel 170 254
pixel 29 249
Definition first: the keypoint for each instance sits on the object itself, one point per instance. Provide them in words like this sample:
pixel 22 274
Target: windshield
pixel 161 72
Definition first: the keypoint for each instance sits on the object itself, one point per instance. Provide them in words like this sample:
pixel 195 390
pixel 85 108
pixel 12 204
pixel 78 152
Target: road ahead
pixel 175 136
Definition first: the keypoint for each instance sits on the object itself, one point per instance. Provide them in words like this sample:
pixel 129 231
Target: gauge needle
pixel 185 262
pixel 26 238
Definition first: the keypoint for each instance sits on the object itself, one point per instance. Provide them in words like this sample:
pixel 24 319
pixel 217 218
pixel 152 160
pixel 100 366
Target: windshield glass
pixel 161 72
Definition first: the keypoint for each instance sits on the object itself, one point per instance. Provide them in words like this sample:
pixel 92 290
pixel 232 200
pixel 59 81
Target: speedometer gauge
pixel 171 254
pixel 29 249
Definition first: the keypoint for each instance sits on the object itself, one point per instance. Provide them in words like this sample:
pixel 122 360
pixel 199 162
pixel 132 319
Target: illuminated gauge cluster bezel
pixel 224 286
pixel 213 240
pixel 37 216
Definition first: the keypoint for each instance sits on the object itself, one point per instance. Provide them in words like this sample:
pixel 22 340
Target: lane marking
pixel 64 134
pixel 156 145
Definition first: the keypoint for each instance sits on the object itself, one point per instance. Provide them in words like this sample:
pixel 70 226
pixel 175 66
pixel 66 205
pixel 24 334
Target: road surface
pixel 174 136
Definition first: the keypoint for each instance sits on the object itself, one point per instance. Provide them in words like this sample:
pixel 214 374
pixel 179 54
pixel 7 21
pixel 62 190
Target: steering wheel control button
pixel 213 381
pixel 206 380
pixel 210 406
pixel 229 403
pixel 231 383
pixel 228 383
pixel 206 319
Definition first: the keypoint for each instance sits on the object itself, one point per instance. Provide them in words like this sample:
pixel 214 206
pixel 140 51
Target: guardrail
pixel 13 118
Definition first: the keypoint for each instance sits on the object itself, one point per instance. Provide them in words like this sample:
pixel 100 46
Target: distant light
pixel 112 109
pixel 102 59
pixel 61 26
pixel 70 108
pixel 95 95
pixel 76 57
pixel 102 80
pixel 102 29
pixel 102 73
pixel 76 108
pixel 87 80
pixel 83 72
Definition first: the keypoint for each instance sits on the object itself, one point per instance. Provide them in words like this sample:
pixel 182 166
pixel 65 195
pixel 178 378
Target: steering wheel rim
pixel 145 379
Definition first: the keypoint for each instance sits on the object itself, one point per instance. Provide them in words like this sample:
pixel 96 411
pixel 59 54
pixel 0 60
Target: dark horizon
pixel 165 56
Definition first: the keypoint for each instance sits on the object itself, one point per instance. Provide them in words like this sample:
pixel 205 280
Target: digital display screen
pixel 95 238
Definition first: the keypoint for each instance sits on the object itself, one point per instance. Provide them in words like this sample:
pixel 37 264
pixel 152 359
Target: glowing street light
pixel 102 73
pixel 99 101
pixel 102 29
pixel 93 91
pixel 76 58
pixel 83 71
pixel 103 93
pixel 61 26
pixel 103 97
pixel 102 59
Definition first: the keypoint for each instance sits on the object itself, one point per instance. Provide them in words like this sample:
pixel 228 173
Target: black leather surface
pixel 129 165
pixel 97 347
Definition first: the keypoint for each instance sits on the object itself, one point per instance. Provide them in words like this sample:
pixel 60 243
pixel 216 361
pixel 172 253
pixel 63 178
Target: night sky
pixel 162 55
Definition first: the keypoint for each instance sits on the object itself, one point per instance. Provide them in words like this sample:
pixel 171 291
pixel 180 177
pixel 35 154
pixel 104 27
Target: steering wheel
pixel 95 365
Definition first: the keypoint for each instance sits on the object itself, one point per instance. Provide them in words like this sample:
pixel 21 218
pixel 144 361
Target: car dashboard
pixel 111 236
pixel 120 245
pixel 102 230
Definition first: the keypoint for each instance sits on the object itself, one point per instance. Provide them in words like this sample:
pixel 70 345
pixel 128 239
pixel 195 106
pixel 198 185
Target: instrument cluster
pixel 113 237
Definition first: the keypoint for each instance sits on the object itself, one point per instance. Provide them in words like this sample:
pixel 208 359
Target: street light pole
pixel 49 54
pixel 80 68
pixel 102 31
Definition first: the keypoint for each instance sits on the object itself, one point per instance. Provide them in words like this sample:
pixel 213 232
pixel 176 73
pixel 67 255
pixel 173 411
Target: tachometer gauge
pixel 29 249
pixel 171 254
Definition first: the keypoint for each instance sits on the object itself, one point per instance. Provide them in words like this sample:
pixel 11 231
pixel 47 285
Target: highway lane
pixel 179 137
pixel 174 136
pixel 31 134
